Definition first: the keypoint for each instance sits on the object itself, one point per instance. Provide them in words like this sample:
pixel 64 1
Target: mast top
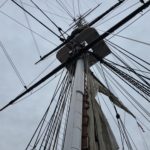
pixel 82 36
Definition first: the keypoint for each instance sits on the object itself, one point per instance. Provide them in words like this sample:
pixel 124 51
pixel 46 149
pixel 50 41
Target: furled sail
pixel 100 135
pixel 99 87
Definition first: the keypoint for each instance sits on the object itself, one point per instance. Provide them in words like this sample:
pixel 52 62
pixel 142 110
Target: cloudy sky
pixel 18 122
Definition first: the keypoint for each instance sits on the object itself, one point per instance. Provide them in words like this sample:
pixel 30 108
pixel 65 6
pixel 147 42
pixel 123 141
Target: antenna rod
pixel 83 50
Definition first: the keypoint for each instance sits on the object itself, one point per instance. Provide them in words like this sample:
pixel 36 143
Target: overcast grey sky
pixel 18 122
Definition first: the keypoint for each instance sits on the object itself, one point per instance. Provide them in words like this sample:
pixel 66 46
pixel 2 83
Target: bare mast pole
pixel 73 136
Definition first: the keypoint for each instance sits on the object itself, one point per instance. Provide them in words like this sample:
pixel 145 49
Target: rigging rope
pixel 122 49
pixel 117 14
pixel 131 23
pixel 131 70
pixel 139 85
pixel 49 137
pixel 19 23
pixel 36 19
pixel 47 11
pixel 59 28
pixel 84 49
pixel 45 114
pixel 142 137
pixel 127 38
pixel 121 126
pixel 64 8
pixel 33 92
pixel 118 125
pixel 13 65
pixel 123 91
pixel 33 37
pixel 105 13
pixel 130 53
pixel 128 69
pixel 3 3
pixel 79 8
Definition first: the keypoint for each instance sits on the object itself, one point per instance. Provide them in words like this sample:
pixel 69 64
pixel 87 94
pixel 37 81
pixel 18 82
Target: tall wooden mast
pixel 87 127
pixel 76 133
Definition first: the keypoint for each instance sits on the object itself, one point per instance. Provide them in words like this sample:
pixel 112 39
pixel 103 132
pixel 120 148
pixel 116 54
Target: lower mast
pixel 73 136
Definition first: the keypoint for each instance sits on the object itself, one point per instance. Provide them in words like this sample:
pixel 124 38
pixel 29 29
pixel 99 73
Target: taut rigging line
pixel 122 75
pixel 33 37
pixel 37 20
pixel 59 28
pixel 13 65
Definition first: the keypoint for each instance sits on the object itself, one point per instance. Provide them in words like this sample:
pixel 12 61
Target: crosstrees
pixel 90 24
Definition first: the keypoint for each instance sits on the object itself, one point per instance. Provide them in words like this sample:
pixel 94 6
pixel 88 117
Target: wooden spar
pixel 74 133
pixel 74 126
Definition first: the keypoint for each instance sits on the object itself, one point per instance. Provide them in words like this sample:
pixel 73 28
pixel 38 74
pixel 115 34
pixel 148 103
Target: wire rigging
pixel 73 7
pixel 83 15
pixel 13 65
pixel 122 129
pixel 129 100
pixel 128 69
pixel 117 14
pixel 107 33
pixel 126 94
pixel 108 86
pixel 124 76
pixel 131 81
pixel 47 137
pixel 36 19
pixel 84 49
pixel 131 22
pixel 44 116
pixel 142 137
pixel 33 92
pixel 19 23
pixel 3 3
pixel 131 69
pixel 59 28
pixel 61 4
pixel 121 51
pixel 105 13
pixel 49 12
pixel 127 38
pixel 79 7
pixel 132 54
pixel 33 37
